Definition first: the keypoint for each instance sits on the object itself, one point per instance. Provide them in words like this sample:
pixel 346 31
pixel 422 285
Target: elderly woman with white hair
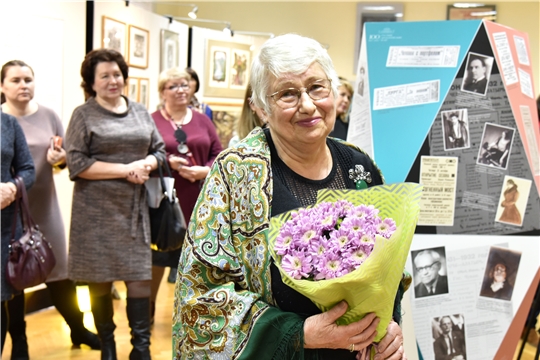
pixel 230 301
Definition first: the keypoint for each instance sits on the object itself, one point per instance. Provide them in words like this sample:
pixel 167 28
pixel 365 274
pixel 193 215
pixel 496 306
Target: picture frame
pixel 144 91
pixel 225 117
pixel 488 12
pixel 113 35
pixel 131 90
pixel 139 46
pixel 227 71
pixel 170 44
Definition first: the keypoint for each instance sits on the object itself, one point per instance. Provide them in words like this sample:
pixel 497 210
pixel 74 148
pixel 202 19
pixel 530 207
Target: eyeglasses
pixel 500 270
pixel 427 267
pixel 289 98
pixel 175 87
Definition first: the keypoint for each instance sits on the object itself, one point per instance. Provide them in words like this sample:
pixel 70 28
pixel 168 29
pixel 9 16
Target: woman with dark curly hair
pixel 110 143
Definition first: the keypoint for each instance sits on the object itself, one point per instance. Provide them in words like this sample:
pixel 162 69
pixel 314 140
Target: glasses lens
pixel 319 90
pixel 289 98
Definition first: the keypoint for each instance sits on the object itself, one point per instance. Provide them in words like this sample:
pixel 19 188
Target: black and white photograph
pixel 132 89
pixel 477 73
pixel 429 272
pixel 500 273
pixel 495 146
pixel 513 200
pixel 113 35
pixel 449 337
pixel 143 91
pixel 138 47
pixel 169 49
pixel 455 126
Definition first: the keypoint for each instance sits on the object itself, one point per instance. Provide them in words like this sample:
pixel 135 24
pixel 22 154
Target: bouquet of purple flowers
pixel 352 245
pixel 330 240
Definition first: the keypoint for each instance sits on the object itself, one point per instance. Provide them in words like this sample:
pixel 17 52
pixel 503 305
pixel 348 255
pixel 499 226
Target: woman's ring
pixel 352 348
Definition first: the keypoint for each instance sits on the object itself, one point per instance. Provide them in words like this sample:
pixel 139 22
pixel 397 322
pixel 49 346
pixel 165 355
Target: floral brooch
pixel 360 177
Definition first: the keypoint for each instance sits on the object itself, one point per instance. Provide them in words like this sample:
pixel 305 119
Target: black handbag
pixel 31 259
pixel 167 222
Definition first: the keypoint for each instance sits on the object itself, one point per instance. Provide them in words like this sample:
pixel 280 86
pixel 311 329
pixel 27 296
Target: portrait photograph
pixel 144 93
pixel 477 73
pixel 169 50
pixel 495 146
pixel 240 61
pixel 132 89
pixel 500 273
pixel 449 337
pixel 513 200
pixel 113 35
pixel 138 47
pixel 429 272
pixel 455 126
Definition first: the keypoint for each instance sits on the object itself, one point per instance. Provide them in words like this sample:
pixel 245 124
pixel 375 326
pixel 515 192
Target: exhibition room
pixel 172 163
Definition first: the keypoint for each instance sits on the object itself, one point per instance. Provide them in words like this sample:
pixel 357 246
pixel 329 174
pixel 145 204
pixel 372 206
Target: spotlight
pixel 193 13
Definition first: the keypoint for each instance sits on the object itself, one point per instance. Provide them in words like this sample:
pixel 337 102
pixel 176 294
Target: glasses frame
pixel 427 267
pixel 300 91
pixel 184 87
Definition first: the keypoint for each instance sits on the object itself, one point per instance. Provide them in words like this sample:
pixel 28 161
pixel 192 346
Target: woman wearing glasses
pixel 110 146
pixel 230 300
pixel 191 144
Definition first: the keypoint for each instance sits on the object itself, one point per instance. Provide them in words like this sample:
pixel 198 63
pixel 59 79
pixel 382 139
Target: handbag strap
pixel 162 163
pixel 21 202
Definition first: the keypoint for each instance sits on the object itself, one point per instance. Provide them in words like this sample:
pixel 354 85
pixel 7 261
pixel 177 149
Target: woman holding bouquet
pixel 230 301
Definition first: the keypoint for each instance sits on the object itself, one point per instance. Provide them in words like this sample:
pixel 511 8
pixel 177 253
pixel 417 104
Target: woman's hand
pixel 8 192
pixel 177 162
pixel 194 173
pixel 56 157
pixel 391 345
pixel 138 171
pixel 321 331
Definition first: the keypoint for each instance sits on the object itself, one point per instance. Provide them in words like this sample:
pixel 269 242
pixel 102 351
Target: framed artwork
pixel 144 91
pixel 113 35
pixel 488 12
pixel 132 89
pixel 225 116
pixel 227 72
pixel 139 45
pixel 169 50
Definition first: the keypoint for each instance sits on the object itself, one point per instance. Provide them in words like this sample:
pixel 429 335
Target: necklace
pixel 179 134
pixel 168 116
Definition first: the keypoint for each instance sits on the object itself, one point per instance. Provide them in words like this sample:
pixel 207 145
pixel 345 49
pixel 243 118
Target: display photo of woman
pixel 191 144
pixel 500 273
pixel 513 200
pixel 16 161
pixel 40 125
pixel 229 296
pixel 496 146
pixel 110 146
pixel 455 129
pixel 343 106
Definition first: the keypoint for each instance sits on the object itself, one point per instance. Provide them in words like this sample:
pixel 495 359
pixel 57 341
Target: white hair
pixel 287 54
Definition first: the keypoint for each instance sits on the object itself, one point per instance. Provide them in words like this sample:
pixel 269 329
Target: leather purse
pixel 167 222
pixel 31 259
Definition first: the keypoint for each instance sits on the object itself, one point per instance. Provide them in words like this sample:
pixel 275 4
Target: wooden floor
pixel 48 334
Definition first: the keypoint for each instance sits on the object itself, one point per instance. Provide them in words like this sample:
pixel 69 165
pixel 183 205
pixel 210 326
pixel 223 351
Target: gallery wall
pixel 334 23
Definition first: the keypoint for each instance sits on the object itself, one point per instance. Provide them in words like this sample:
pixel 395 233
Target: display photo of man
pixel 449 343
pixel 429 272
pixel 495 146
pixel 477 74
pixel 500 273
pixel 455 129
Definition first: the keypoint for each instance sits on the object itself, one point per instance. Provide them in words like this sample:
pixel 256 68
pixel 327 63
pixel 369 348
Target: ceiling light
pixel 378 8
pixel 193 13
pixel 467 5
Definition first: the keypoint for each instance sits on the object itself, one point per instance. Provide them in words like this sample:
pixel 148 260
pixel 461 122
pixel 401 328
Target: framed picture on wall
pixel 227 71
pixel 139 45
pixel 132 89
pixel 169 50
pixel 225 117
pixel 144 91
pixel 113 35
pixel 488 12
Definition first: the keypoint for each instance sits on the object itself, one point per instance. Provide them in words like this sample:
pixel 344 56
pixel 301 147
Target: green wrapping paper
pixel 373 286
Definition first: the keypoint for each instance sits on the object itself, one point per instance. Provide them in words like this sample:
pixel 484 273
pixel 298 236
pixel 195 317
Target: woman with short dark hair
pixel 110 143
